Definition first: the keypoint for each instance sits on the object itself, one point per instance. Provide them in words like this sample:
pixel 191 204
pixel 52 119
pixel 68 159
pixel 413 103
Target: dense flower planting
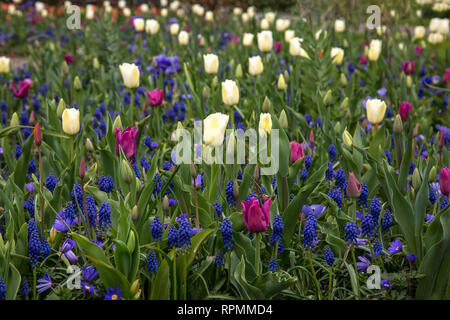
pixel 94 203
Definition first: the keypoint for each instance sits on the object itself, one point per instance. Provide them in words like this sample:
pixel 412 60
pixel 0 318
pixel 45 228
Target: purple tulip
pixel 256 219
pixel 155 97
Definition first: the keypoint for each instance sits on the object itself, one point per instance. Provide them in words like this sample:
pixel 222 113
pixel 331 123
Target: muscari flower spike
pixel 227 234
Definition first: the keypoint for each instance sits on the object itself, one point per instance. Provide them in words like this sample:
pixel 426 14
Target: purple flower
pixel 59 224
pixel 386 283
pixel 113 294
pixel 89 274
pixel 361 242
pixel 44 284
pixel 316 209
pixel 363 264
pixel 30 187
pixel 69 244
pixel 411 257
pixel 88 288
pixel 395 247
pixel 382 92
pixel 71 257
pixel 194 231
pixel 429 218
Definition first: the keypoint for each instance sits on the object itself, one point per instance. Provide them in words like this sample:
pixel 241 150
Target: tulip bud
pixel 205 92
pixel 89 145
pixel 95 63
pixel 266 104
pixel 236 190
pixel 14 120
pixel 131 243
pixel 53 104
pixel 344 103
pixel 165 203
pixel 286 75
pixel 283 119
pixel 239 72
pixel 215 81
pixel 231 142
pixel 343 79
pixel 61 107
pixel 117 124
pixel 53 233
pixel 444 181
pixel 398 124
pixel 348 139
pixel 138 184
pixel 256 174
pixel 281 83
pixel 38 134
pixel 412 193
pixel 353 186
pixel 65 67
pixel 135 287
pixel 193 171
pixel 416 180
pixel 126 171
pixel 82 170
pixel 327 98
pixel 77 84
pixel 432 175
pixel 135 213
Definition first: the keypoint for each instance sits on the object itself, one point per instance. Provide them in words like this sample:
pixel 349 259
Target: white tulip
pixel 339 25
pixel 288 35
pixel 151 26
pixel 265 41
pixel 211 63
pixel 255 66
pixel 130 75
pixel 139 24
pixel 282 24
pixel 183 38
pixel 214 129
pixel 5 64
pixel 247 39
pixel 174 28
pixel 230 93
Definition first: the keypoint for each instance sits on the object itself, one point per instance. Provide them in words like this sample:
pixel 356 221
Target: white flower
pixel 139 24
pixel 255 66
pixel 265 124
pixel 270 17
pixel 295 48
pixel 71 121
pixel 151 26
pixel 265 41
pixel 339 25
pixel 247 39
pixel 264 24
pixel 183 38
pixel 230 93
pixel 174 28
pixel 211 63
pixel 375 47
pixel 419 32
pixel 130 75
pixel 209 16
pixel 288 35
pixel 338 55
pixel 214 129
pixel 282 24
pixel 4 64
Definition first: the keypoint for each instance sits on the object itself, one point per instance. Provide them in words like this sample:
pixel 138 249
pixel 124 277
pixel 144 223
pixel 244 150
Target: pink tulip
pixel 446 76
pixel 363 60
pixel 155 97
pixel 68 58
pixel 24 87
pixel 277 46
pixel 444 181
pixel 405 110
pixel 353 186
pixel 409 67
pixel 418 50
pixel 127 140
pixel 256 219
pixel 297 151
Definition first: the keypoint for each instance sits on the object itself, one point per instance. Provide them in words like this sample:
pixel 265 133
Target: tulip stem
pixel 197 221
pixel 319 296
pixel 258 251
pixel 34 283
pixel 356 270
pixel 41 180
pixel 330 282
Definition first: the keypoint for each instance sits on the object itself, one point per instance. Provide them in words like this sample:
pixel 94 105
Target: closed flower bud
pixel 338 55
pixel 82 171
pixel 265 124
pixel 231 143
pixel 327 98
pixel 165 203
pixel 205 92
pixel 117 124
pixel 347 138
pixel 444 181
pixel 135 287
pixel 61 107
pixel 14 120
pixel 281 84
pixel 344 103
pixel 266 105
pixel 37 134
pixel 77 84
pixel 89 145
pixel 135 213
pixel 374 50
pixel 343 79
pixel 131 243
pixel 71 121
pixel 432 175
pixel 239 72
pixel 416 180
pixel 236 190
pixel 126 172
pixel 4 64
pixel 353 186
pixel 283 119
pixel 65 67
pixel 53 233
pixel 398 124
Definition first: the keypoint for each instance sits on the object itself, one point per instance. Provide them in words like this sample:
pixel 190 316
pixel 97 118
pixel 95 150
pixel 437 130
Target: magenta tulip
pixel 24 87
pixel 409 67
pixel 155 97
pixel 256 219
pixel 444 181
pixel 277 46
pixel 127 140
pixel 297 151
pixel 405 110
pixel 68 58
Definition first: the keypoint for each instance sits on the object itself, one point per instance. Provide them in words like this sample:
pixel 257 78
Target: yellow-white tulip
pixel 247 39
pixel 11 9
pixel 434 24
pixel 339 25
pixel 139 24
pixel 374 50
pixel 198 10
pixel 174 28
pixel 209 16
pixel 164 3
pixel 122 4
pixel 435 38
pixel 214 129
pixel 265 41
pixel 4 64
pixel 338 55
pixel 90 13
pixel 295 48
pixel 44 13
pixel 237 11
pixel 245 17
pixel 255 66
pixel 144 7
pixel 282 24
pixel 419 32
pixel 381 30
pixel 443 27
pixel 130 75
pixel 126 12
pixel 230 93
pixel 347 138
pixel 39 6
pixel 151 26
pixel 265 124
pixel 71 121
pixel 174 5
pixel 183 38
pixel 211 63
pixel 270 17
pixel 251 12
pixel 281 84
pixel 288 35
pixel 164 12
pixel 264 24
pixel 375 110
